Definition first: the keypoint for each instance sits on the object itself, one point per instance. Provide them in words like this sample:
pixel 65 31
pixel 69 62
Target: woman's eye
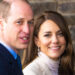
pixel 60 34
pixel 47 35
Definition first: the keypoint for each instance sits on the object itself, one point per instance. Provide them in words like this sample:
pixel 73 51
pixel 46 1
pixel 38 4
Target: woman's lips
pixel 54 48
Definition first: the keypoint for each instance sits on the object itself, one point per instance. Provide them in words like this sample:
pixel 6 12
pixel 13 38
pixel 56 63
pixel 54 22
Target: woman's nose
pixel 54 39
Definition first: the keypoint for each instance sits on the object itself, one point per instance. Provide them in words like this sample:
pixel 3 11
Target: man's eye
pixel 30 22
pixel 19 22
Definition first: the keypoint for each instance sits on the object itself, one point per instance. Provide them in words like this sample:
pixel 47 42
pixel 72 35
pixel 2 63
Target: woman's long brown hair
pixel 67 58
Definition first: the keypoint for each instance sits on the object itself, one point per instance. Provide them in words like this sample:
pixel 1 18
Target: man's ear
pixel 1 23
pixel 36 40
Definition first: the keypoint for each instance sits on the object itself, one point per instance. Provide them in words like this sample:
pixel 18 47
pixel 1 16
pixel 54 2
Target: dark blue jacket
pixel 8 65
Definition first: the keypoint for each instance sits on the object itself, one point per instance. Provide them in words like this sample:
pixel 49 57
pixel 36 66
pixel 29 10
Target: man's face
pixel 16 30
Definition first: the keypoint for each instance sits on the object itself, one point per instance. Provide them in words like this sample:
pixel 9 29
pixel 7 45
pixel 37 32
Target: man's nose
pixel 26 28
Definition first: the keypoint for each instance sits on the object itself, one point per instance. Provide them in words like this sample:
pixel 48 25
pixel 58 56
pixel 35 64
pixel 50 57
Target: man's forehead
pixel 20 9
pixel 10 0
pixel 19 3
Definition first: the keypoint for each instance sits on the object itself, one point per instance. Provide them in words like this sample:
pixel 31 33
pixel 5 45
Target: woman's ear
pixel 36 40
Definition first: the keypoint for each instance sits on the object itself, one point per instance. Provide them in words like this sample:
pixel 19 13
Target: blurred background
pixel 65 7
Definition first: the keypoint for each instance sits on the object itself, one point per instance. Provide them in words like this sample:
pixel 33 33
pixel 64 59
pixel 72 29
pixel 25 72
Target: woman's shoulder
pixel 37 67
pixel 33 68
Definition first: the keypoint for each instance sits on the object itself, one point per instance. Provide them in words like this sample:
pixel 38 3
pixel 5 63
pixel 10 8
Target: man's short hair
pixel 5 6
pixel 4 9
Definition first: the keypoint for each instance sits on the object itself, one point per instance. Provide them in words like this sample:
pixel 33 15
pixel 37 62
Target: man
pixel 16 20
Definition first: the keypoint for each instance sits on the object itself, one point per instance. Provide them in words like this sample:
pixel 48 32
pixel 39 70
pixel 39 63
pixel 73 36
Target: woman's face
pixel 51 40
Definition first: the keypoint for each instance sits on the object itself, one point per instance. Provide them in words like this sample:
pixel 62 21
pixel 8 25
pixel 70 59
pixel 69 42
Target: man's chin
pixel 22 48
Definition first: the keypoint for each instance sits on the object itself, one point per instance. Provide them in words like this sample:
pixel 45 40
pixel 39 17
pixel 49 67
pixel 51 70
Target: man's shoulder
pixel 5 56
pixel 1 46
pixel 2 52
pixel 2 49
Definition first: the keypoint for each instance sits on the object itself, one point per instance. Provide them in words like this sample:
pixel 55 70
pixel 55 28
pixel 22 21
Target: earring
pixel 38 49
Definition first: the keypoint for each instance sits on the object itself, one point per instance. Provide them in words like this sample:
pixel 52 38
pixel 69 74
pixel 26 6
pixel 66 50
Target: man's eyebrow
pixel 20 18
pixel 24 19
pixel 31 20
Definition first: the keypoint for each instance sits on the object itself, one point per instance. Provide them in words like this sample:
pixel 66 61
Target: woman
pixel 51 47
